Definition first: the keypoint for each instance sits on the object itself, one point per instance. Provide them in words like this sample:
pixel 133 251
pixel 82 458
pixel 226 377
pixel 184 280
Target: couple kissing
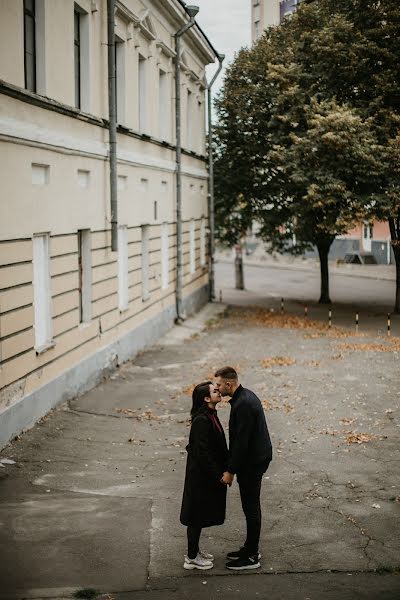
pixel 211 468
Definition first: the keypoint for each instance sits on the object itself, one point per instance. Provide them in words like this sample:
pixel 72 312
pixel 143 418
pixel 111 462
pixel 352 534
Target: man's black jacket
pixel 249 441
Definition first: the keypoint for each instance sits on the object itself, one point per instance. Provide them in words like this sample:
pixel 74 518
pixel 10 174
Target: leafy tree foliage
pixel 307 141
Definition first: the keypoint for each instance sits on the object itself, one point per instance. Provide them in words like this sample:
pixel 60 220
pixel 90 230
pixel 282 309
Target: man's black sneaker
pixel 239 554
pixel 244 563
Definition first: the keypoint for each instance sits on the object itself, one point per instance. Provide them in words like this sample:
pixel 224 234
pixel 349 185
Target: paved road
pixel 295 284
pixel 92 498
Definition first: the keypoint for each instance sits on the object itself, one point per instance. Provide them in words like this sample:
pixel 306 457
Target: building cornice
pixel 45 103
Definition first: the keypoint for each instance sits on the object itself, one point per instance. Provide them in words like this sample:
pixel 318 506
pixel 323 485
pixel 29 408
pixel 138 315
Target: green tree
pixel 308 123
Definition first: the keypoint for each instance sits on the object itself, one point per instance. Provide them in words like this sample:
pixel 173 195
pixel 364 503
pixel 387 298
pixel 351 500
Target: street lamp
pixel 192 12
pixel 211 211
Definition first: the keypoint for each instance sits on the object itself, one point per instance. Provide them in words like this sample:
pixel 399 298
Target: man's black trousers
pixel 249 481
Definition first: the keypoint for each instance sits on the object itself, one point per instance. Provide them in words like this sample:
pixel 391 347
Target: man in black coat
pixel 250 452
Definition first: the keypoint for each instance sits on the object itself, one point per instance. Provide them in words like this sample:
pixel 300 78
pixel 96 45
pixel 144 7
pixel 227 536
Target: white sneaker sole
pixel 191 566
pixel 246 568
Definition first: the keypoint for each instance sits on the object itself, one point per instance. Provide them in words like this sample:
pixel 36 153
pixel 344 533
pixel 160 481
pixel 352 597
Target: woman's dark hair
pixel 200 392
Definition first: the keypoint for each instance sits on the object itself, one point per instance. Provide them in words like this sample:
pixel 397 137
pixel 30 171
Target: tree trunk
pixel 239 279
pixel 394 226
pixel 323 251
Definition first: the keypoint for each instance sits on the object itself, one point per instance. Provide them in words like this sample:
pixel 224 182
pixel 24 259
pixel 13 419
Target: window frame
pixel 28 13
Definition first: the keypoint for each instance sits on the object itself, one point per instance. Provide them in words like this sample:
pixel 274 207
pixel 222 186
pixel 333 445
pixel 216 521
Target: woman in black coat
pixel 204 496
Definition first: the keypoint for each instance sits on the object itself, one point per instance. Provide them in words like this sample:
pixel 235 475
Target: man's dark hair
pixel 226 373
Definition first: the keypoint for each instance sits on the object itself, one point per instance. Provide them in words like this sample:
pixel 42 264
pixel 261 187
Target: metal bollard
pixel 330 318
pixel 306 312
pixel 282 306
pixel 356 322
pixel 389 325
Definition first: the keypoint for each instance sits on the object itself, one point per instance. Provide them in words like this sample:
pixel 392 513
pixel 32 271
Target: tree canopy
pixel 307 141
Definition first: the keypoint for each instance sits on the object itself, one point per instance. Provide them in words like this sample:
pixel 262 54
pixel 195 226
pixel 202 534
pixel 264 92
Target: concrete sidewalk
pixel 92 498
pixel 281 261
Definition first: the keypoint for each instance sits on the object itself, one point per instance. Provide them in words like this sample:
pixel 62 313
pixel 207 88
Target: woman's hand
pixel 227 478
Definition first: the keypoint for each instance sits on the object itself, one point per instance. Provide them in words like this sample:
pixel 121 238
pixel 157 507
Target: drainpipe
pixel 112 111
pixel 211 212
pixel 180 313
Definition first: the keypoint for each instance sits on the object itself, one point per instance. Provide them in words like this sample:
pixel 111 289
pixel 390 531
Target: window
pixel 189 119
pixel 120 79
pixel 30 44
pixel 123 299
pixel 368 231
pixel 164 256
pixel 122 183
pixel 192 248
pixel 83 178
pixel 85 275
pixel 77 58
pixel 163 106
pixel 81 58
pixel 142 93
pixel 201 126
pixel 42 292
pixel 145 262
pixel 40 174
pixel 257 28
pixel 203 242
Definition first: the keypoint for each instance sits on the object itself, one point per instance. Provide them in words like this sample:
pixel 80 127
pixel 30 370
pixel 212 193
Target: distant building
pixel 268 13
pixel 70 307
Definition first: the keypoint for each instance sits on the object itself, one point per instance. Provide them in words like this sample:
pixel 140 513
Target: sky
pixel 227 25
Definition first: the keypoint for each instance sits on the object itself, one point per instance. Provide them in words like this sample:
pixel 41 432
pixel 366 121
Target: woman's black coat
pixel 204 497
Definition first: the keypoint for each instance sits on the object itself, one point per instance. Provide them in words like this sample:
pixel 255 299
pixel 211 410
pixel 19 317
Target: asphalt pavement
pixel 90 497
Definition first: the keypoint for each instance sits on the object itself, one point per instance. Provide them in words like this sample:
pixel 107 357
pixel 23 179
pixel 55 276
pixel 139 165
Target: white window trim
pixel 164 256
pixel 142 93
pixel 203 242
pixel 192 247
pixel 123 288
pixel 85 276
pixel 145 262
pixel 43 324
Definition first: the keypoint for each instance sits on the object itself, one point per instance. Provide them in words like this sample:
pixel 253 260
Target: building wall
pixel 269 13
pixel 55 181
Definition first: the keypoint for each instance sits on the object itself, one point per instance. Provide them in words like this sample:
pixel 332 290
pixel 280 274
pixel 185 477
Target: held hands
pixel 227 478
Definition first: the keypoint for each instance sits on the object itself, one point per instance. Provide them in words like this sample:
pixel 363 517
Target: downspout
pixel 211 209
pixel 180 313
pixel 112 123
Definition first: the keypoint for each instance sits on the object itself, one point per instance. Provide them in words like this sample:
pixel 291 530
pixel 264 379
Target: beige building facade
pixel 70 307
pixel 269 13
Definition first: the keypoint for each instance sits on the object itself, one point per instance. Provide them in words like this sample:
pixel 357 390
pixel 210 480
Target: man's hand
pixel 227 478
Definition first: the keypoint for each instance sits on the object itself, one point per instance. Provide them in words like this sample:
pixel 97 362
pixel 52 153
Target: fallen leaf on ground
pixel 147 415
pixel 347 421
pixel 392 346
pixel 277 361
pixel 263 316
pixel 359 438
pixel 188 391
